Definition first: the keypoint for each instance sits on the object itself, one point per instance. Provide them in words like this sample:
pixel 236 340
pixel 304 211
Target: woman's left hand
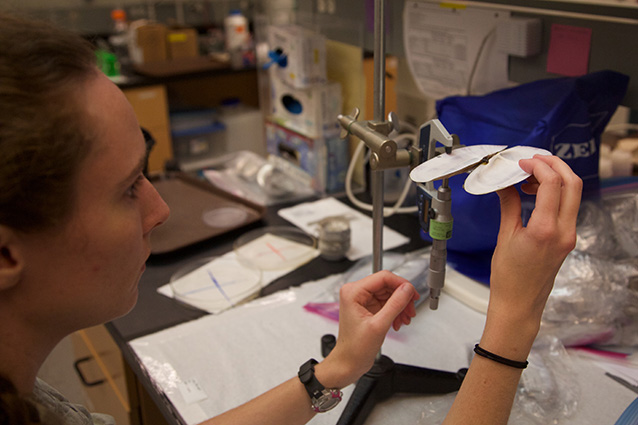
pixel 368 307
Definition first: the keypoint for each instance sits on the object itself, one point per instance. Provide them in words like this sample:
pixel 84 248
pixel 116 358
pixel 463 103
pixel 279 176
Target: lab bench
pixel 155 313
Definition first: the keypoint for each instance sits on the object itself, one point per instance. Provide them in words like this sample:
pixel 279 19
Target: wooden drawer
pixel 151 108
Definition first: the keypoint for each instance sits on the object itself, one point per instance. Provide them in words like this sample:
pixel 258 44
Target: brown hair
pixel 42 137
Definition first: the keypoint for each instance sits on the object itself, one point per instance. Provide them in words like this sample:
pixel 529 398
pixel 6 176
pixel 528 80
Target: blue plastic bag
pixel 563 115
pixel 630 415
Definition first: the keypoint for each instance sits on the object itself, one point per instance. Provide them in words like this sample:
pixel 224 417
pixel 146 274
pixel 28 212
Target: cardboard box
pixel 151 108
pixel 325 159
pixel 182 43
pixel 305 52
pixel 311 111
pixel 147 42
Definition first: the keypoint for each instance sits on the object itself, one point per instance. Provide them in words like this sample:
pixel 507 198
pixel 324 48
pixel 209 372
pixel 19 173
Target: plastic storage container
pixel 244 127
pixel 197 135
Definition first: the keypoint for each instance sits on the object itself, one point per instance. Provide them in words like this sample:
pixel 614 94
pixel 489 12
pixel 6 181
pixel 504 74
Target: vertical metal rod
pixel 376 180
pixel 379 60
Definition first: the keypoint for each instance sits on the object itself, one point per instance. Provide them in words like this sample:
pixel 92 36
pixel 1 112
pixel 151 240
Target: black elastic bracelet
pixel 502 360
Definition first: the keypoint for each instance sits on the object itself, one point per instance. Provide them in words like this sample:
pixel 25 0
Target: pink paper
pixel 569 50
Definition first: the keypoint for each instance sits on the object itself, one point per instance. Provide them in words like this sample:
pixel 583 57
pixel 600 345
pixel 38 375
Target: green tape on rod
pixel 441 230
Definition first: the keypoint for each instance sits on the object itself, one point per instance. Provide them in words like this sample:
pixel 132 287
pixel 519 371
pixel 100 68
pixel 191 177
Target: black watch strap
pixel 307 377
pixel 321 398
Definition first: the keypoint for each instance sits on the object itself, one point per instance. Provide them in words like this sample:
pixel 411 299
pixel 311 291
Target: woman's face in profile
pixel 93 265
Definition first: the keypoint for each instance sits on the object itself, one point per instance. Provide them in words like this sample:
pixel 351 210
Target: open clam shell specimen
pixel 460 161
pixel 491 167
pixel 501 171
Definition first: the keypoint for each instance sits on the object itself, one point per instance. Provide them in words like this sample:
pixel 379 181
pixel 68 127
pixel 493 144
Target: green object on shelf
pixel 108 63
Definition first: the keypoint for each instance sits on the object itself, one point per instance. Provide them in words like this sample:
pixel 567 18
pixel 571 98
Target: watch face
pixel 327 400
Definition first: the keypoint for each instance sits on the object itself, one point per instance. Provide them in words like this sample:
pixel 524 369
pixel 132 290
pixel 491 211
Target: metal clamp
pixel 384 152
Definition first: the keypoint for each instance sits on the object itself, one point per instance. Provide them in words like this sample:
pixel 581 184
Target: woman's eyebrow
pixel 136 171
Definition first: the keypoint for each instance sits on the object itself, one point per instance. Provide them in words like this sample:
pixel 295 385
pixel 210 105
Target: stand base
pixel 387 378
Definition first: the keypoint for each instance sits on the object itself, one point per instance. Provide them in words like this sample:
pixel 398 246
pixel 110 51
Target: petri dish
pixel 275 248
pixel 215 284
pixel 225 217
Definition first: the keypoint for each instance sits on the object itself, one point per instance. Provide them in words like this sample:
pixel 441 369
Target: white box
pixel 244 129
pixel 305 53
pixel 519 36
pixel 311 111
pixel 325 159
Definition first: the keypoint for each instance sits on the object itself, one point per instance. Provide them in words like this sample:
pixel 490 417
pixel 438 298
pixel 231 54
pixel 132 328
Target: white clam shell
pixel 445 165
pixel 501 171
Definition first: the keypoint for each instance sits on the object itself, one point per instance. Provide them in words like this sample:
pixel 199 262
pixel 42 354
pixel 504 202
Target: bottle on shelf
pixel 238 40
pixel 119 39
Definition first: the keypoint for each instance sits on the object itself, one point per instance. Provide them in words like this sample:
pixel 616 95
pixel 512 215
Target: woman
pixel 76 213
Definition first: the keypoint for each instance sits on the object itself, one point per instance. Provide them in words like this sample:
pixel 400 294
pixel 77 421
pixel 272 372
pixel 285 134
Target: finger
pixel 572 187
pixel 397 323
pixel 400 321
pixel 548 195
pixel 396 304
pixel 405 317
pixel 510 208
pixel 530 186
pixel 532 180
pixel 380 281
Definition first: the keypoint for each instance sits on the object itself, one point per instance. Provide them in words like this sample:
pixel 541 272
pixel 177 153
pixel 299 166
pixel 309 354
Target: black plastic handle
pixel 76 366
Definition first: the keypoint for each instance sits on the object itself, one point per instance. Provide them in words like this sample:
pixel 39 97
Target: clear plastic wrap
pixel 412 266
pixel 592 217
pixel 435 409
pixel 264 181
pixel 623 209
pixel 627 322
pixel 546 392
pixel 608 227
pixel 595 295
pixel 583 306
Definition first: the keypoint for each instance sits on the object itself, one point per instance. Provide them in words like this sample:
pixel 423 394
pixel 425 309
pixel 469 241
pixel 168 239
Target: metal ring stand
pixel 386 377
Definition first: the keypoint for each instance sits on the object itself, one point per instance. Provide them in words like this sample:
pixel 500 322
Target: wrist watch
pixel 322 398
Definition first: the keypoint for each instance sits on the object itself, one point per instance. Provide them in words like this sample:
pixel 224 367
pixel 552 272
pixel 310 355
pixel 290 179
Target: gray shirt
pixel 61 408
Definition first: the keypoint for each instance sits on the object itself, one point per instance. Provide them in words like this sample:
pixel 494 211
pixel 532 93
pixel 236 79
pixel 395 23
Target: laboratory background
pixel 283 134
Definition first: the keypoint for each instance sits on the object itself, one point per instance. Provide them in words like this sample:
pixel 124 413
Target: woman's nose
pixel 157 211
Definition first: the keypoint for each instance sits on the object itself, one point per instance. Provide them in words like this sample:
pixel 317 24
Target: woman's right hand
pixel 524 265
pixel 527 259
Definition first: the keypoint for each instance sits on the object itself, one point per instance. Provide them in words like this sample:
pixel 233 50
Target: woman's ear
pixel 11 260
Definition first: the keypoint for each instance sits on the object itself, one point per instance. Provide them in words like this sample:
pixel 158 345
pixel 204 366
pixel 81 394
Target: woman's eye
pixel 131 192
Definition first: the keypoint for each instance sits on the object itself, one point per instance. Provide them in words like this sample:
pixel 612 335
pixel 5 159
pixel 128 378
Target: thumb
pixel 397 302
pixel 510 208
